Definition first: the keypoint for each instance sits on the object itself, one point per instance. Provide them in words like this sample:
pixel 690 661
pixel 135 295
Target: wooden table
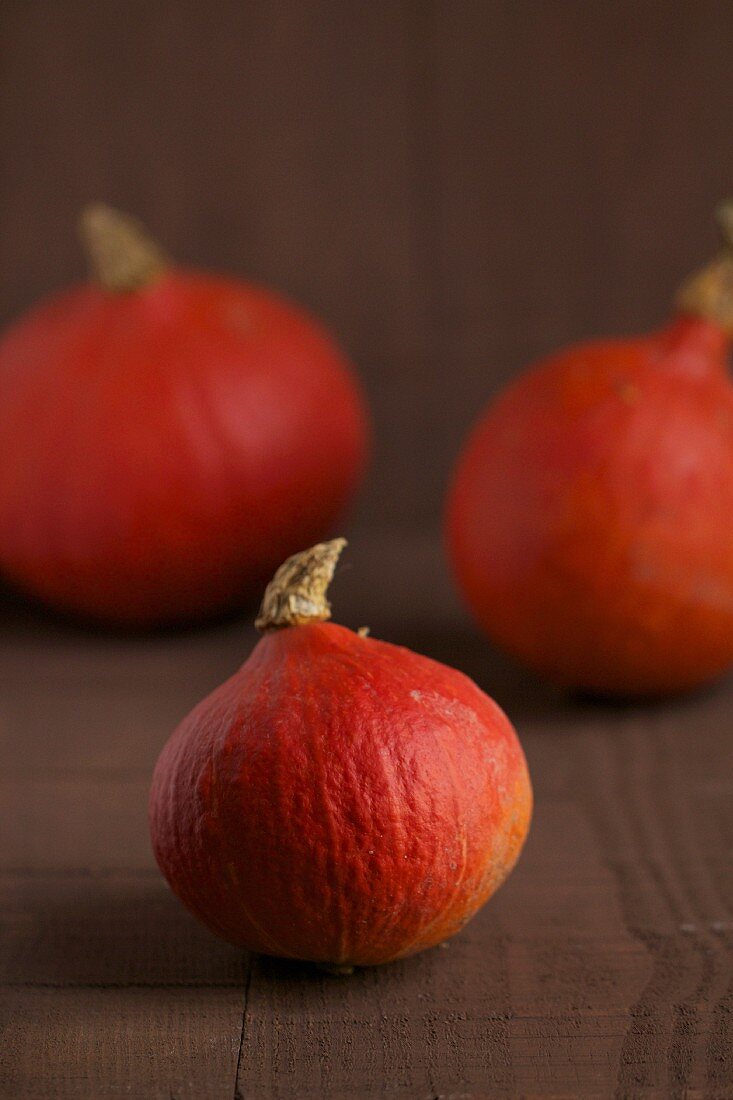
pixel 602 968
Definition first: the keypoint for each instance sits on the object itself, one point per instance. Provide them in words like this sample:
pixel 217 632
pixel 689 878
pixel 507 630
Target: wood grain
pixel 456 188
pixel 604 967
pixel 158 1043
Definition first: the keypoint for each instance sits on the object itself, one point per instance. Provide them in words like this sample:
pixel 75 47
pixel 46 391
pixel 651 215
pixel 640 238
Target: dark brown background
pixel 456 187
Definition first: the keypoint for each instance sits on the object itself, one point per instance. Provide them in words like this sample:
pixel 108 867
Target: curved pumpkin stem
pixel 297 593
pixel 122 257
pixel 709 292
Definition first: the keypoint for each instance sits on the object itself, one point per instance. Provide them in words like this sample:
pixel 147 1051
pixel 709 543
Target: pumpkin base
pixel 336 970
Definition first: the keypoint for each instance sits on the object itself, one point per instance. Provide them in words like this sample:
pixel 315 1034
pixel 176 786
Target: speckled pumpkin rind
pixel 340 800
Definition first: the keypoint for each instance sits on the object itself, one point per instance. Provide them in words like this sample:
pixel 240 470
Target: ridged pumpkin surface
pixel 339 799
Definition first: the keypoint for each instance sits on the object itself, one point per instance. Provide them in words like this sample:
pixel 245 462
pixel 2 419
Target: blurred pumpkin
pixel 589 518
pixel 167 436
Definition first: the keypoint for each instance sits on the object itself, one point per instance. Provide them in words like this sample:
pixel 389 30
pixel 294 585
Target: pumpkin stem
pixel 297 593
pixel 709 292
pixel 121 255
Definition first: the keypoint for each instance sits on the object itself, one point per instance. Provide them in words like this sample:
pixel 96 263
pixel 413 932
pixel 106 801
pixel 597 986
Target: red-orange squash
pixel 339 799
pixel 167 437
pixel 589 518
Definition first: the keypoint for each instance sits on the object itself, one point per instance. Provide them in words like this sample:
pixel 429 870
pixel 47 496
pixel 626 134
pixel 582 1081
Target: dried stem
pixel 121 255
pixel 709 292
pixel 297 593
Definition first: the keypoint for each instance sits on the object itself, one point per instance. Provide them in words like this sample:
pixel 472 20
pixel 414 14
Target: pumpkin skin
pixel 588 521
pixel 339 800
pixel 165 447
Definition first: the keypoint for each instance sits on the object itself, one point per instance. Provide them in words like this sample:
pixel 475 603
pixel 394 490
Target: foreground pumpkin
pixel 339 799
pixel 167 437
pixel 589 520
